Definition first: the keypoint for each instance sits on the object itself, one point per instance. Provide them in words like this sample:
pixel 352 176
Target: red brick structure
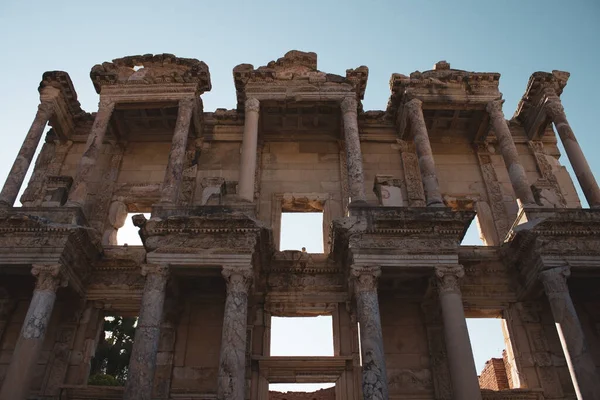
pixel 494 375
pixel 323 394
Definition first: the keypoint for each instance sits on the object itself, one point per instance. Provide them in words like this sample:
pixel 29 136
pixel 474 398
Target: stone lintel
pixel 302 369
pixel 185 261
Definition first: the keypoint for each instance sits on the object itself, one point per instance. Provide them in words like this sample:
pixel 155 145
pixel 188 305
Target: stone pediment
pixel 296 68
pixel 151 69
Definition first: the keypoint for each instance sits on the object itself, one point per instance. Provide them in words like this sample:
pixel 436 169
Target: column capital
pixel 554 108
pixel 155 269
pixel 555 279
pixel 49 277
pixel 414 104
pixel 448 277
pixel 364 278
pixel 106 103
pixel 348 105
pixel 494 108
pixel 238 279
pixel 252 105
pixel 187 102
pixel 46 109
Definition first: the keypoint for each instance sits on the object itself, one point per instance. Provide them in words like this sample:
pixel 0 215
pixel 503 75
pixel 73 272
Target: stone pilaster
pixel 356 178
pixel 425 155
pixel 374 376
pixel 516 172
pixel 248 156
pixel 17 173
pixel 87 164
pixel 174 174
pixel 460 354
pixel 147 334
pixel 586 380
pixel 232 360
pixel 29 345
pixel 583 172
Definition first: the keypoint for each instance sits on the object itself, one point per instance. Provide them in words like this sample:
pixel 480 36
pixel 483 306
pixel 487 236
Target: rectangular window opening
pixel 492 353
pixel 302 336
pixel 286 391
pixel 128 234
pixel 110 364
pixel 302 231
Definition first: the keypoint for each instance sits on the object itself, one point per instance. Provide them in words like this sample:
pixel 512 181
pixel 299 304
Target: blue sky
pixel 512 37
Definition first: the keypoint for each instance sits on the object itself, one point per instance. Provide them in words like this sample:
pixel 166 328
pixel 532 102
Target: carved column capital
pixel 555 280
pixel 106 103
pixel 155 269
pixel 187 103
pixel 348 105
pixel 414 104
pixel 365 278
pixel 554 108
pixel 46 109
pixel 448 277
pixel 238 279
pixel 252 105
pixel 49 277
pixel 494 108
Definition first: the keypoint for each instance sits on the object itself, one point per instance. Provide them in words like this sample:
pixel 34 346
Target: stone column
pixel 356 178
pixel 87 164
pixel 232 361
pixel 147 334
pixel 516 172
pixel 17 173
pixel 586 380
pixel 248 156
pixel 584 174
pixel 374 376
pixel 460 354
pixel 29 345
pixel 174 174
pixel 423 147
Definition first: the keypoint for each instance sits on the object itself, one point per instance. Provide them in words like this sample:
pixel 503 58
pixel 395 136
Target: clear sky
pixel 512 37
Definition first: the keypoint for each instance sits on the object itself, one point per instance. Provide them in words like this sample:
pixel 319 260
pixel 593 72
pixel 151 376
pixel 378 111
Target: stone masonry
pixel 210 274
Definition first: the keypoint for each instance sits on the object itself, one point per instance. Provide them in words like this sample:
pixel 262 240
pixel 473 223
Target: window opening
pixel 490 345
pixel 287 391
pixel 128 234
pixel 302 336
pixel 473 236
pixel 110 364
pixel 302 231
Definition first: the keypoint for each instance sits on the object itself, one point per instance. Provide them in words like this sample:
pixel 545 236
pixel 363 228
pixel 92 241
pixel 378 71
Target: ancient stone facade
pixel 210 274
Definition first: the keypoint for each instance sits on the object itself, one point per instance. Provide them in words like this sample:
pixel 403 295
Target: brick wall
pixel 323 394
pixel 494 375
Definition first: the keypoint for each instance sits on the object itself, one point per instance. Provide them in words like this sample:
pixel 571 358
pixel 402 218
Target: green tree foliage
pixel 113 352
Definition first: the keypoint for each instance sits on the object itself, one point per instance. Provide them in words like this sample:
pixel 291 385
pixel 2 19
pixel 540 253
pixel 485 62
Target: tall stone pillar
pixel 174 174
pixel 460 354
pixel 142 363
pixel 232 361
pixel 516 172
pixel 87 164
pixel 248 156
pixel 29 345
pixel 356 178
pixel 17 173
pixel 374 376
pixel 586 380
pixel 584 174
pixel 425 155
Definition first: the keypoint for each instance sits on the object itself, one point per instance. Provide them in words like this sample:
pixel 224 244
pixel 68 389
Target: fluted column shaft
pixel 29 345
pixel 586 380
pixel 516 172
pixel 17 173
pixel 142 363
pixel 248 156
pixel 356 178
pixel 424 153
pixel 173 176
pixel 374 376
pixel 232 361
pixel 87 164
pixel 463 373
pixel 583 172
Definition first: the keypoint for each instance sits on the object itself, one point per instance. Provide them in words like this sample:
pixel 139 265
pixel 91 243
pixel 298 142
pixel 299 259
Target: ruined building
pixel 397 190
